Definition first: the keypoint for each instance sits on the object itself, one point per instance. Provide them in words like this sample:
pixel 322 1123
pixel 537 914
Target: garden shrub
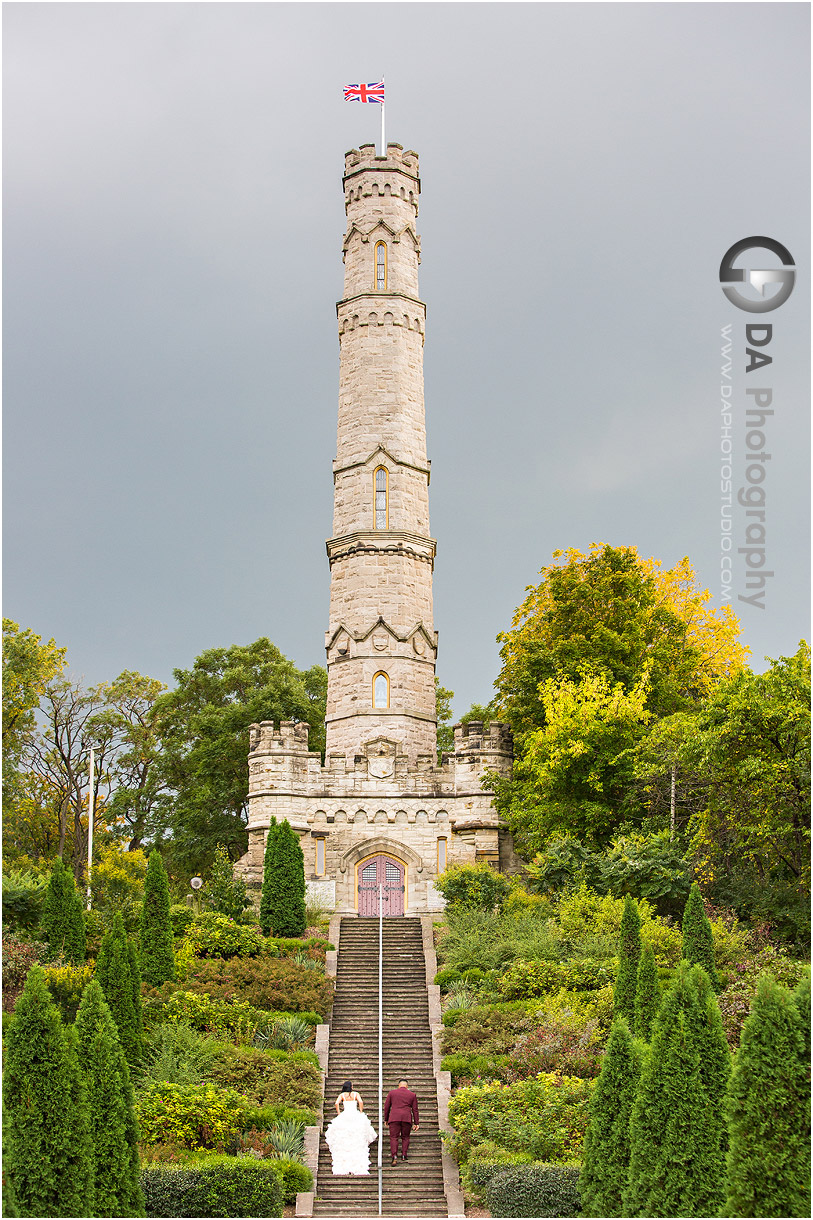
pixel 488 941
pixel 118 974
pixel 194 1116
pixel 63 915
pixel 444 978
pixel 539 1190
pixel 225 893
pixel 23 896
pixel 523 980
pixel 18 958
pixel 768 1108
pixel 487 1030
pixel 470 1069
pixel 271 984
pixel 182 918
pixel 66 984
pixel 285 946
pixel 629 954
pixel 606 1153
pixel 296 1177
pixel 157 961
pixel 218 936
pixel 282 906
pixel 263 1118
pixel 473 885
pixel 222 1186
pixel 46 1130
pixel 270 1076
pixel 232 1020
pixel 485 1162
pixel 545 1117
pixel 174 1053
pixel 698 941
pixel 114 1132
pixel 735 1000
pixel 647 994
pixel 572 1048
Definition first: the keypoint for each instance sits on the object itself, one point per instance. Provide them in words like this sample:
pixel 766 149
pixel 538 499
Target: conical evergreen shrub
pixel 698 944
pixel 629 953
pixel 63 920
pixel 677 1127
pixel 224 892
pixel 118 975
pixel 113 1126
pixel 286 884
pixel 769 1111
pixel 647 994
pixel 47 1150
pixel 266 895
pixel 607 1140
pixel 157 956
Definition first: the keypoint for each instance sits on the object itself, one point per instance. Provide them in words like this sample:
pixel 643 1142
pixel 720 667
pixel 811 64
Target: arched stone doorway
pixel 382 874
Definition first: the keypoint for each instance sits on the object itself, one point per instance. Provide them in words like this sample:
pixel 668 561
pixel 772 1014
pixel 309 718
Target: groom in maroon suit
pixel 400 1107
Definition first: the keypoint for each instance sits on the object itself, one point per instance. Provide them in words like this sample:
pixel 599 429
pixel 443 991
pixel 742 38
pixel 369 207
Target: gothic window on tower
pixel 381 690
pixel 320 857
pixel 382 507
pixel 381 265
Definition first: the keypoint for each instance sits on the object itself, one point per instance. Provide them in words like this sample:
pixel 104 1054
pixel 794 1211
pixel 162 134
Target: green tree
pixel 613 613
pixel 443 706
pixel 157 955
pixel 118 975
pixel 607 1139
pixel 140 802
pixel 769 1111
pixel 698 943
pixel 647 994
pixel 47 1150
pixel 62 915
pixel 267 892
pixel 677 1127
pixel 282 907
pixel 204 728
pixel 28 666
pixel 629 954
pixel 476 886
pixel 752 747
pixel 112 1109
pixel 224 892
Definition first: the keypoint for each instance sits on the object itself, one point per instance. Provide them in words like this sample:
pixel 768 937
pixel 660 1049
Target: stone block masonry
pixel 380 794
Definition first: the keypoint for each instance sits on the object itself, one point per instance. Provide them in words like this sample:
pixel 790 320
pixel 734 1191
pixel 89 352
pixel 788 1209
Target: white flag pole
pixel 383 143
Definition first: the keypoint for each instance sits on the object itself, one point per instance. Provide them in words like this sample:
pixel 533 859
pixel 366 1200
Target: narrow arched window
pixel 382 507
pixel 381 265
pixel 441 855
pixel 381 690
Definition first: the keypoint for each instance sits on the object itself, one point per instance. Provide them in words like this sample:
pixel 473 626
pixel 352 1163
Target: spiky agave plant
pixel 287 1138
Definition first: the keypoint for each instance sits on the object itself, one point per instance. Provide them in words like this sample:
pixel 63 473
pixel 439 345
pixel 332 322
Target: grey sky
pixel 173 227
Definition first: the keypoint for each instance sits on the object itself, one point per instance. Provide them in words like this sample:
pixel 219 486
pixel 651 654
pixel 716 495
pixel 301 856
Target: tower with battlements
pixel 380 811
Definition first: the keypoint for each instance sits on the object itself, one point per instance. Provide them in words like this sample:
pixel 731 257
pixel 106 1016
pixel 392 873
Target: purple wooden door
pixel 386 871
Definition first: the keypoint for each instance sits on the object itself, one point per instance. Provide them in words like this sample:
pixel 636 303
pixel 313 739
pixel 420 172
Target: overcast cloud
pixel 173 228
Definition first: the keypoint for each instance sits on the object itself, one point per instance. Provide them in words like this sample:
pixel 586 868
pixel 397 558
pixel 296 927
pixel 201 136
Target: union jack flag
pixel 365 93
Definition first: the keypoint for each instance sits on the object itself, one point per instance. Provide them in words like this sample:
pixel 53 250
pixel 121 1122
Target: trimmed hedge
pixel 228 1186
pixel 538 1189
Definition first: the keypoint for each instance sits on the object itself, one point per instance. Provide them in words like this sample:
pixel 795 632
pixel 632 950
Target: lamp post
pixel 92 777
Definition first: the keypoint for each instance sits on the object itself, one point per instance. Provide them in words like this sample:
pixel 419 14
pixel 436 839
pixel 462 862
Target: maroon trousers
pixel 396 1130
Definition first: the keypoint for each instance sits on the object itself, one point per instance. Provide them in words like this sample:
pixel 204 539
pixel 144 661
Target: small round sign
pixel 196 883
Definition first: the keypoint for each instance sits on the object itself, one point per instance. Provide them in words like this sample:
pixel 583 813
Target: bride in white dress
pixel 350 1134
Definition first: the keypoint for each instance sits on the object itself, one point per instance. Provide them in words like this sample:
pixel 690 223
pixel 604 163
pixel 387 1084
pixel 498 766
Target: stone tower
pixel 380 642
pixel 380 810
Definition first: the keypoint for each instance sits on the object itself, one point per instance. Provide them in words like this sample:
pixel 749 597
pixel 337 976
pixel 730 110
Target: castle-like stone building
pixel 380 810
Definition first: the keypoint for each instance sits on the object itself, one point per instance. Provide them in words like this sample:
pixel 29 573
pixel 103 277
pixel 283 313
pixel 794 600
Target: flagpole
pixel 383 145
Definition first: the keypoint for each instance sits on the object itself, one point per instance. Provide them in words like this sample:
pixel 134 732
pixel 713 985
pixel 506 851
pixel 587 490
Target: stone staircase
pixel 415 1188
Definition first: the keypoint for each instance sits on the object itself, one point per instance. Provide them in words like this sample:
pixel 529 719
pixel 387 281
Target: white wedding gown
pixel 348 1138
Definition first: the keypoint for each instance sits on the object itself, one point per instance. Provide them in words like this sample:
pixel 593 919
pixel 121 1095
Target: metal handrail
pixel 380 1037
